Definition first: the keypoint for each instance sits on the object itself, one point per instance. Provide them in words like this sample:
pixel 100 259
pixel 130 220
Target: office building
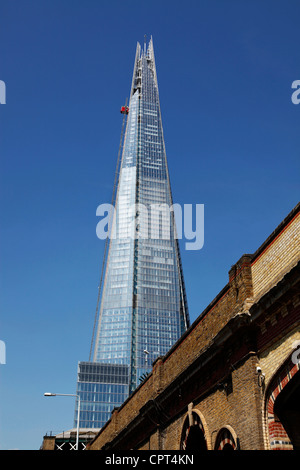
pixel 143 309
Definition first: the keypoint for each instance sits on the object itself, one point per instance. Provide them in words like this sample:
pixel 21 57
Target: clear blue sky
pixel 225 70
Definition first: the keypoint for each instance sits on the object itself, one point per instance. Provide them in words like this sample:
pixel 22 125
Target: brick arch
pixel 278 438
pixel 226 439
pixel 194 418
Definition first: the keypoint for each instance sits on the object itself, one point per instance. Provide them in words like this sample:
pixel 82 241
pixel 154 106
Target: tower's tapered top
pixel 143 57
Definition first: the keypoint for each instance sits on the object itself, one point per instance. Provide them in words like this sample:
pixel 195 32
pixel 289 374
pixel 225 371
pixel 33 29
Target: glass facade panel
pixel 101 387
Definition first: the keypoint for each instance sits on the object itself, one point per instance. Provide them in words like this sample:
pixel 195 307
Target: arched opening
pixel 284 409
pixel 226 439
pixel 195 440
pixel 287 410
pixel 193 437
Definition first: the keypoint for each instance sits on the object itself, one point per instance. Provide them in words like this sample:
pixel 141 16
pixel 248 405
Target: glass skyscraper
pixel 143 309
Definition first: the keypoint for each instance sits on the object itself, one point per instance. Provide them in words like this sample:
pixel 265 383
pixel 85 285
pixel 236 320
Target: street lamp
pixel 78 411
pixel 146 356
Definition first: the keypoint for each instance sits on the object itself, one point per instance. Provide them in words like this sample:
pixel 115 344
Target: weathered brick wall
pixel 276 354
pixel 278 258
pixel 219 409
pixel 172 435
pixel 245 411
pixel 225 306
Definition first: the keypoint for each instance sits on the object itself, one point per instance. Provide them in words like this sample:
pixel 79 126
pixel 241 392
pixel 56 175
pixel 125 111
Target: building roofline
pixel 282 226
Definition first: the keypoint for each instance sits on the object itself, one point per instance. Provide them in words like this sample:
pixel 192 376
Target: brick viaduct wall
pixel 276 256
pixel 212 369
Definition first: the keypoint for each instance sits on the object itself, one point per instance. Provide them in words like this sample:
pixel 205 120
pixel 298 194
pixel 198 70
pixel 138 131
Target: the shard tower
pixel 143 308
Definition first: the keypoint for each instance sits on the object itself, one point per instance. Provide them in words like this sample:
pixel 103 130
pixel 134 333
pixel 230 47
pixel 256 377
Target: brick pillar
pixel 114 422
pixel 158 375
pixel 279 440
pixel 240 280
pixel 48 443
